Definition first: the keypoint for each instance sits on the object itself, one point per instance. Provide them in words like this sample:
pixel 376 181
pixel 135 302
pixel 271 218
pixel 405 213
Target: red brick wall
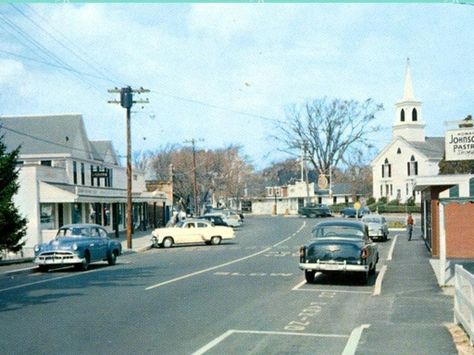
pixel 459 221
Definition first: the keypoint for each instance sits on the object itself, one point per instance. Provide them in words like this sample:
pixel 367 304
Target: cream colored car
pixel 191 231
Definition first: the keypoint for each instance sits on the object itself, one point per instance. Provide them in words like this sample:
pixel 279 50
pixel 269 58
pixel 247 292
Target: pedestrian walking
pixel 410 223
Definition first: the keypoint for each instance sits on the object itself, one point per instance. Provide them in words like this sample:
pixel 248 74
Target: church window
pixel 414 115
pixel 386 169
pixel 412 166
pixel 402 115
pixel 399 151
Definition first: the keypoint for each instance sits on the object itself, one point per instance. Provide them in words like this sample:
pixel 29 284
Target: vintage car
pixel 216 220
pixel 378 227
pixel 78 245
pixel 191 231
pixel 231 218
pixel 315 210
pixel 339 246
pixel 350 212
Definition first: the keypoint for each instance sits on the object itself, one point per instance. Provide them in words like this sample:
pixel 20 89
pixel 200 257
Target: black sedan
pixel 339 246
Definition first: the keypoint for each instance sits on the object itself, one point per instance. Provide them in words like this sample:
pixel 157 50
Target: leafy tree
pixel 329 130
pixel 12 225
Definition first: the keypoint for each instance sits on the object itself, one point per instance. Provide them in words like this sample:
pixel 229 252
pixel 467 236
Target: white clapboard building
pixel 66 178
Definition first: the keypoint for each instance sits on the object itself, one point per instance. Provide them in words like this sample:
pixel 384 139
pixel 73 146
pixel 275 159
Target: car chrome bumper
pixel 333 266
pixel 58 259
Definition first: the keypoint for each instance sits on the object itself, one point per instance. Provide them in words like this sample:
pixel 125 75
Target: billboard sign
pixel 459 144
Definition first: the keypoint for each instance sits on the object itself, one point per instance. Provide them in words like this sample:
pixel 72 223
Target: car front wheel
pixel 85 264
pixel 167 242
pixel 112 258
pixel 309 275
pixel 215 240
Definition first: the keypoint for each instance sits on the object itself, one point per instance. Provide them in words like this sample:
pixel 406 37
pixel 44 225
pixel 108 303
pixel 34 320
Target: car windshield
pixel 337 231
pixel 371 220
pixel 72 232
pixel 179 224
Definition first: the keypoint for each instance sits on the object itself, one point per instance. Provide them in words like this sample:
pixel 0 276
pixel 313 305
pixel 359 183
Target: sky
pixel 224 73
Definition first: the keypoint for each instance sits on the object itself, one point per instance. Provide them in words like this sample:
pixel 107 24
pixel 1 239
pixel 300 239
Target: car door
pixel 97 245
pixel 188 233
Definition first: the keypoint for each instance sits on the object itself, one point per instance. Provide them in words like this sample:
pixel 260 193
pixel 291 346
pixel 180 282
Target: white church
pixel 409 155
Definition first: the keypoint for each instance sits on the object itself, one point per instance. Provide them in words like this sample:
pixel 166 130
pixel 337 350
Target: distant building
pixel 410 153
pixel 66 178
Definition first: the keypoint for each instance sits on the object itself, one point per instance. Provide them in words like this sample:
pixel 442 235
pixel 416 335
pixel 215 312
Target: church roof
pixel 432 147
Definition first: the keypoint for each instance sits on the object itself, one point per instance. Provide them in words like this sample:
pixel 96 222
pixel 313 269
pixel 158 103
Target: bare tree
pixel 328 129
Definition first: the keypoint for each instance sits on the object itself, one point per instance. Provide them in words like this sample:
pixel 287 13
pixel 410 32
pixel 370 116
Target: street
pixel 246 296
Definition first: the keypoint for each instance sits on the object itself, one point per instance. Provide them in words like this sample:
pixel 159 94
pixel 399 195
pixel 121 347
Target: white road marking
pixel 392 247
pixel 48 280
pixel 354 339
pixel 228 333
pixel 224 264
pixel 298 288
pixel 378 281
pixel 19 270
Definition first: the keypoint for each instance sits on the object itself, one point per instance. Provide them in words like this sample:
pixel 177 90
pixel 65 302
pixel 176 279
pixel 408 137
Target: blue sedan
pixel 77 245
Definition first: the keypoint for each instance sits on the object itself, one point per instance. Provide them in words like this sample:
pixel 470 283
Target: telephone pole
pixel 126 101
pixel 196 202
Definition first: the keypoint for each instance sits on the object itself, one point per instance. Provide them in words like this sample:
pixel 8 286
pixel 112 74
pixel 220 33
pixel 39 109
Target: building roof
pixel 432 147
pixel 61 134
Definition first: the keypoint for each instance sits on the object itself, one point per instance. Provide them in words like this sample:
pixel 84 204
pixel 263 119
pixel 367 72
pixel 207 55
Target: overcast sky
pixel 224 72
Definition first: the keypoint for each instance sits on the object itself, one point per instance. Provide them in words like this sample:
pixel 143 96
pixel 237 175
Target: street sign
pixel 357 205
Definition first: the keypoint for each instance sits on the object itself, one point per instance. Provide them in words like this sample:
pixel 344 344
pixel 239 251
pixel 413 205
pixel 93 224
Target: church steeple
pixel 408 90
pixel 409 122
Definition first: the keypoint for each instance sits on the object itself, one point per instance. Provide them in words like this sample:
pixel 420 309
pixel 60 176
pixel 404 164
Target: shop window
pixel 76 213
pixel 454 191
pixel 106 214
pixel 48 216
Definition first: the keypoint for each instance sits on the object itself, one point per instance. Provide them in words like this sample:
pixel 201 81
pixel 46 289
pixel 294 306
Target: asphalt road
pixel 241 297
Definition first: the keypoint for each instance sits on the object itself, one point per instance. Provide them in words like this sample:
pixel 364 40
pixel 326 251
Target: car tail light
pixel 364 253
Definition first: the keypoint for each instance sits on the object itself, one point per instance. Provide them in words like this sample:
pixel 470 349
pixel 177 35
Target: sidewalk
pixel 412 314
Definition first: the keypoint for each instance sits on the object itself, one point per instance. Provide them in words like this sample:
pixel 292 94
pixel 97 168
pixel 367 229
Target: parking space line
pixel 378 281
pixel 228 333
pixel 298 288
pixel 354 339
pixel 392 247
pixel 224 264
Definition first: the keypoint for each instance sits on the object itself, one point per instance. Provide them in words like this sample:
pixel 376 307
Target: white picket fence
pixel 464 300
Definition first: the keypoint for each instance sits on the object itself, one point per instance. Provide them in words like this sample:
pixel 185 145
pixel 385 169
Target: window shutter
pixel 408 168
pixel 389 170
pixel 383 175
pixel 416 168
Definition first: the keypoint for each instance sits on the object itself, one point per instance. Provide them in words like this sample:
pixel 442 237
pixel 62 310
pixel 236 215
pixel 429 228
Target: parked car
pixel 315 210
pixel 377 224
pixel 232 219
pixel 78 245
pixel 350 212
pixel 339 246
pixel 216 220
pixel 191 231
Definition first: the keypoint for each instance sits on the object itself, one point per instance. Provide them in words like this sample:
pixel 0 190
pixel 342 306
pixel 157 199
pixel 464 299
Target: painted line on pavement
pixel 392 247
pixel 228 333
pixel 354 339
pixel 224 264
pixel 47 280
pixel 298 288
pixel 19 270
pixel 378 281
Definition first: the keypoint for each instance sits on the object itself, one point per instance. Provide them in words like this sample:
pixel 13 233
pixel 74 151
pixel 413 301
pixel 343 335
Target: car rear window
pixel 337 231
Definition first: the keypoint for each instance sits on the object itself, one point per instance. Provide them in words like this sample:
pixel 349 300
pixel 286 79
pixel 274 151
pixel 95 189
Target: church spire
pixel 408 90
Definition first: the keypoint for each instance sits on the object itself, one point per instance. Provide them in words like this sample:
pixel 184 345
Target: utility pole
pixel 305 150
pixel 126 101
pixel 196 203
